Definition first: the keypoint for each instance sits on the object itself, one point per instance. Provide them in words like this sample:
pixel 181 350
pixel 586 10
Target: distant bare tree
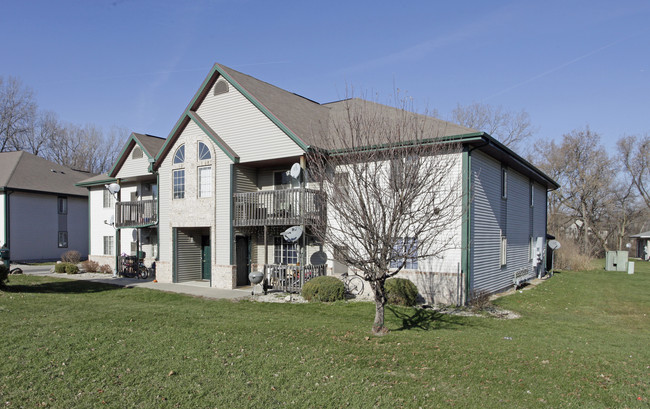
pixel 509 127
pixel 391 193
pixel 586 174
pixel 635 156
pixel 17 113
pixel 85 148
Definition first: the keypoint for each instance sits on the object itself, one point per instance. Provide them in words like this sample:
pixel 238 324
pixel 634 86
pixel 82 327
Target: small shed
pixel 642 248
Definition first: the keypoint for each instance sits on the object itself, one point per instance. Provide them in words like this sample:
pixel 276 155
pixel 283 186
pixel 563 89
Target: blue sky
pixel 137 63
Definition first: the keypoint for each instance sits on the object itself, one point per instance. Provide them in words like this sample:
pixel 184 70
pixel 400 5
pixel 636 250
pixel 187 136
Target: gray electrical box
pixel 616 261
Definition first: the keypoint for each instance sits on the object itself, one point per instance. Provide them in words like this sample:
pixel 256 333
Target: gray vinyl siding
pixel 518 230
pixel 492 214
pixel 188 256
pixel 486 222
pixel 245 128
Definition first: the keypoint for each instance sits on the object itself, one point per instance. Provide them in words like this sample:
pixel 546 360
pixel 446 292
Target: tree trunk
pixel 378 327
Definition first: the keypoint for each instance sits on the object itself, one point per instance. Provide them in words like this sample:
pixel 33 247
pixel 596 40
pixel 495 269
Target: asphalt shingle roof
pixel 24 171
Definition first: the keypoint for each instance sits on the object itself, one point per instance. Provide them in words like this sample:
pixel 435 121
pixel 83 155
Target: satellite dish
pixel 318 258
pixel 292 234
pixel 628 245
pixel 113 188
pixel 295 170
pixel 554 244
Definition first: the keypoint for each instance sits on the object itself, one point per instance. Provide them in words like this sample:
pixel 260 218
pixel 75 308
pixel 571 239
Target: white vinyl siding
pixel 133 167
pixel 244 128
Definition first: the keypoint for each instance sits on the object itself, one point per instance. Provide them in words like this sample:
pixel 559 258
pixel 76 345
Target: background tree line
pixel 23 126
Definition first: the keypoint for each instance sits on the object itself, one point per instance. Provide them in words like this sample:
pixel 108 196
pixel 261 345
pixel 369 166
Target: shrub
pixel 401 291
pixel 106 269
pixel 324 288
pixel 72 256
pixel 67 268
pixel 90 266
pixel 4 275
pixel 479 300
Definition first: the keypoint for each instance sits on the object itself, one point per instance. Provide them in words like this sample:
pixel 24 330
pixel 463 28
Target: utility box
pixel 616 261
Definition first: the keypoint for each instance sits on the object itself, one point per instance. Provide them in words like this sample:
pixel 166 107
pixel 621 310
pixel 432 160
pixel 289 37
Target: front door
pixel 242 259
pixel 206 260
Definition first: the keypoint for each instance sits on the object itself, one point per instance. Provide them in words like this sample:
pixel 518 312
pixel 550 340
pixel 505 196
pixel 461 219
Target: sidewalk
pixel 194 288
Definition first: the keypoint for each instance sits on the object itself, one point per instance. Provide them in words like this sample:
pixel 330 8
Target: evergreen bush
pixel 324 289
pixel 401 291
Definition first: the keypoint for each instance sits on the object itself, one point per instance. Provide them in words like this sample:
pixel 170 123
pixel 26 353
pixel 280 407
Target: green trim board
pixel 227 150
pixel 6 216
pixel 96 182
pixel 230 216
pixel 466 221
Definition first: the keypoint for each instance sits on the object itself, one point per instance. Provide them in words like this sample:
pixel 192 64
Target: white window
pixel 405 251
pixel 504 249
pixel 504 183
pixel 532 193
pixel 205 181
pixel 179 156
pixel 109 200
pixel 63 239
pixel 136 153
pixel 204 152
pixel 109 246
pixel 285 252
pixel 179 183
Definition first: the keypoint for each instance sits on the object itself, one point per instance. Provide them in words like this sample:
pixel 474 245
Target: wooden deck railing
pixel 278 207
pixel 136 214
pixel 291 278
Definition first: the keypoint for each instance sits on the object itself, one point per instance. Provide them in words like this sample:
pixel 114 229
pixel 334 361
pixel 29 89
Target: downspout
pixel 158 216
pixel 118 232
pixel 467 225
pixel 7 219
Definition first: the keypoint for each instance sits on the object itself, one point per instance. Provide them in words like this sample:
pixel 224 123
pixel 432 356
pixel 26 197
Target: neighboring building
pixel 42 213
pixel 642 246
pixel 225 195
pixel 130 223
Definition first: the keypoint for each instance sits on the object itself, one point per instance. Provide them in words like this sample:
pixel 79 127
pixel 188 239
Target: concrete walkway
pixel 194 288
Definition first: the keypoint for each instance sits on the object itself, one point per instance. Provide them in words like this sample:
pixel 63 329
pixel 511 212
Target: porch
pixel 278 208
pixel 140 213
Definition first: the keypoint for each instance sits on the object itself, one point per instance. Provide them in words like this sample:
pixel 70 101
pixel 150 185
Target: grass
pixel 582 342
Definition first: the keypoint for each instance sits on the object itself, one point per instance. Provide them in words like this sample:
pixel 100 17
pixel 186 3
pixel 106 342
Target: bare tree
pixel 635 155
pixel 392 192
pixel 586 174
pixel 85 148
pixel 17 113
pixel 511 128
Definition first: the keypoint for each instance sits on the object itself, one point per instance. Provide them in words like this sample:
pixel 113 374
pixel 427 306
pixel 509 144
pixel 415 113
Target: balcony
pixel 140 213
pixel 278 207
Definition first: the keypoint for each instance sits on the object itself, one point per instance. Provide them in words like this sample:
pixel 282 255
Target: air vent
pixel 221 87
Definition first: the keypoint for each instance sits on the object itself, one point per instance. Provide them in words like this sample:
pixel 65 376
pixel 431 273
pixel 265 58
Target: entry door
pixel 206 260
pixel 243 260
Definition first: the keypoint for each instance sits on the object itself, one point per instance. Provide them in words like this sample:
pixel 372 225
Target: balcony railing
pixel 140 213
pixel 291 278
pixel 278 207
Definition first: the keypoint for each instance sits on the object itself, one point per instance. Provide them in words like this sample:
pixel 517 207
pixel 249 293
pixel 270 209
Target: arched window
pixel 179 156
pixel 136 153
pixel 204 152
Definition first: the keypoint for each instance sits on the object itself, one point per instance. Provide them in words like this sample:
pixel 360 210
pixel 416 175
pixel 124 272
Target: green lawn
pixel 583 341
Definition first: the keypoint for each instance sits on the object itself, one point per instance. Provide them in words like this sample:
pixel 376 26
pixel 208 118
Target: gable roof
pixel 23 171
pixel 149 144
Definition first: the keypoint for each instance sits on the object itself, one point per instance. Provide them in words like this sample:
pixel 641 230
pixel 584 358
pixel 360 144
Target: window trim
pixel 177 193
pixel 503 250
pixel 110 247
pixel 532 193
pixel 504 183
pixel 137 153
